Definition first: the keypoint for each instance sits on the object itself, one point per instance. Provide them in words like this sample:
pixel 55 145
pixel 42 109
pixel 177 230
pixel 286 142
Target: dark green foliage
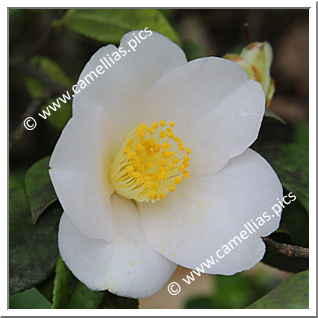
pixel 33 248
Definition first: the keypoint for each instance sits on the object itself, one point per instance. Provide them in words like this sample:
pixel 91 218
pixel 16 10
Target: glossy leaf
pixel 109 25
pixel 291 163
pixel 39 188
pixel 33 248
pixel 291 294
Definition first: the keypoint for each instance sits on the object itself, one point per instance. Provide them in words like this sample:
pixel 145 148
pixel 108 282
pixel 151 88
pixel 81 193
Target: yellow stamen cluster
pixel 151 162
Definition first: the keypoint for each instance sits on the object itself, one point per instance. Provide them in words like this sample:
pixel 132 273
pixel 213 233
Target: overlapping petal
pixel 205 213
pixel 79 171
pixel 122 87
pixel 216 109
pixel 132 248
pixel 127 266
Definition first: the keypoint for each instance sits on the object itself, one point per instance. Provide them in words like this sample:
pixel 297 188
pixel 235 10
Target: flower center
pixel 151 162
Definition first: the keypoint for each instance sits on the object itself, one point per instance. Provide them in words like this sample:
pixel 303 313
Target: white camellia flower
pixel 153 170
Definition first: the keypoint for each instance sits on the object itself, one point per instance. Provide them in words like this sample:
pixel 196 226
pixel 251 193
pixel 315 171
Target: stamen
pixel 151 163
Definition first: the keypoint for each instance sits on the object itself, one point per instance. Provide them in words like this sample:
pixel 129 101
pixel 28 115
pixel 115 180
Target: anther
pixel 151 163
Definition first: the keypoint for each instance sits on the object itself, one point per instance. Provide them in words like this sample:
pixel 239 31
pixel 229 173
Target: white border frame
pixel 199 4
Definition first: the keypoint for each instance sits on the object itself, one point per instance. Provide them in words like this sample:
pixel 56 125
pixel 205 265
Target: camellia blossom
pixel 153 170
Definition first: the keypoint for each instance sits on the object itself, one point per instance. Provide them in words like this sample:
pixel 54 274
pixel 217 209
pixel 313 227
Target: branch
pixel 286 249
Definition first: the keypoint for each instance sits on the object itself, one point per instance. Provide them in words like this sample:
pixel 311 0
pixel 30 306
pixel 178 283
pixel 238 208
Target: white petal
pixel 205 213
pixel 121 88
pixel 79 171
pixel 217 110
pixel 128 266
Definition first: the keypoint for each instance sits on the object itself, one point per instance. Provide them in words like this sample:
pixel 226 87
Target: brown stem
pixel 247 33
pixel 286 249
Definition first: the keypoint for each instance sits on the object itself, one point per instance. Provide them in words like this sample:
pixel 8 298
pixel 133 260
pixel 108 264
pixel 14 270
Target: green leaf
pixel 291 163
pixel 16 178
pixel 36 89
pixel 39 188
pixel 52 70
pixel 302 133
pixel 20 223
pixel 295 221
pixel 33 248
pixel 29 299
pixel 291 294
pixel 193 50
pixel 109 25
pixel 59 118
pixel 70 293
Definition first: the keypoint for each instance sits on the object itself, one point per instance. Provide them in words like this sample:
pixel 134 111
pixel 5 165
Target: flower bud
pixel 256 59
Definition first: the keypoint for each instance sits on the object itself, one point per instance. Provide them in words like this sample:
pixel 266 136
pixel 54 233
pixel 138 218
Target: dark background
pixel 217 31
